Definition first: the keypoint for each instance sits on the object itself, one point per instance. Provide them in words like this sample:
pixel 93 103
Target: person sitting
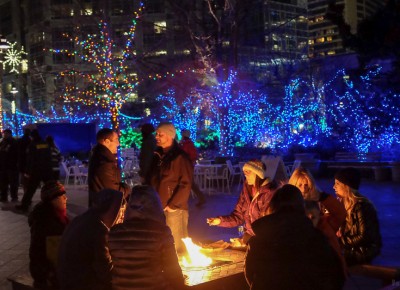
pixel 360 237
pixel 331 213
pixel 150 261
pixel 253 201
pixel 84 259
pixel 47 222
pixel 287 252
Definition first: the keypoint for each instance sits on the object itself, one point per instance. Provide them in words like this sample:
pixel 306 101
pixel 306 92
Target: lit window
pixel 147 112
pixel 320 40
pixel 311 41
pixel 329 38
pixel 24 66
pixel 160 27
pixel 160 52
pixel 331 52
pixel 207 123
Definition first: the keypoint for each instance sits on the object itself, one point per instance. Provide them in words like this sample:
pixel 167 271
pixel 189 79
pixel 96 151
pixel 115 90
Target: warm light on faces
pixel 112 143
pixel 341 189
pixel 304 186
pixel 163 139
pixel 250 177
pixel 60 202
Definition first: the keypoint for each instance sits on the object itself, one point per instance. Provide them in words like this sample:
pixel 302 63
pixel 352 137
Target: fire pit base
pixel 214 264
pixel 226 270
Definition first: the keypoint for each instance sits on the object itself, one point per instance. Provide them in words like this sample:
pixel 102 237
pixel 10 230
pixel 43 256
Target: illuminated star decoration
pixel 13 57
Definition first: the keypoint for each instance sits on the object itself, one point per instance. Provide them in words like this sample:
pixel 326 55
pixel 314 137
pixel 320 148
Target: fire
pixel 195 259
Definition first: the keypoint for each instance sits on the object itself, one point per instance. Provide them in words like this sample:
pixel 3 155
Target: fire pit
pixel 223 265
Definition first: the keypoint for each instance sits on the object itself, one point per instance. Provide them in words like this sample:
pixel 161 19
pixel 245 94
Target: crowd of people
pixel 131 238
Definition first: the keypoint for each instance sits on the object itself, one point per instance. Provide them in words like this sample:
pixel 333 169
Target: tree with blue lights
pixel 361 111
pixel 184 115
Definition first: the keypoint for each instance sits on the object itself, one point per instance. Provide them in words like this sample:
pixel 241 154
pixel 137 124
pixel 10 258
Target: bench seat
pixel 21 282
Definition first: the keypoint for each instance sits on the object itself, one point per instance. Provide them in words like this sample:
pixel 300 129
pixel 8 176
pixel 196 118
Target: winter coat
pixel 23 144
pixel 103 172
pixel 84 259
pixel 287 253
pixel 8 154
pixel 142 247
pixel 187 145
pixel 55 159
pixel 171 175
pixel 146 154
pixel 361 239
pixel 247 209
pixel 45 223
pixel 330 222
pixel 38 160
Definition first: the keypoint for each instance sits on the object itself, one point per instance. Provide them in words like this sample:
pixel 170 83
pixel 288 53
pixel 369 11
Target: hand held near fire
pixel 213 221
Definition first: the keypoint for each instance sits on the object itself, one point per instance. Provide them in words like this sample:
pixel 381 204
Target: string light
pixel 355 112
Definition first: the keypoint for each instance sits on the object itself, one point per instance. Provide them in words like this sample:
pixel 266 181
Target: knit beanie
pixel 349 176
pixel 167 128
pixel 51 190
pixel 255 166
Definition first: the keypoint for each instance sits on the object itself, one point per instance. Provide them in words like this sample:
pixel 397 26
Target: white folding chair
pixel 74 172
pixel 234 170
pixel 213 177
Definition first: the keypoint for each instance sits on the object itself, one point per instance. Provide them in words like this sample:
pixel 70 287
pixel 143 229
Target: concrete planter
pixel 382 173
pixel 395 166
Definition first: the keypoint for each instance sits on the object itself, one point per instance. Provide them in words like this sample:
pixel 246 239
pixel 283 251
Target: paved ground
pixel 14 230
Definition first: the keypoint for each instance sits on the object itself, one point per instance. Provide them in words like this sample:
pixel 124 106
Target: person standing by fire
pixel 187 145
pixel 171 175
pixel 253 201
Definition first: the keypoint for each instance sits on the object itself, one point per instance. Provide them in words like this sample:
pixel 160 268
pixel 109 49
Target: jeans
pixel 178 223
pixel 9 179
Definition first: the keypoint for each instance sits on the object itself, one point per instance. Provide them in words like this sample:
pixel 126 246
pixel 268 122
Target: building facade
pixel 278 36
pixel 324 38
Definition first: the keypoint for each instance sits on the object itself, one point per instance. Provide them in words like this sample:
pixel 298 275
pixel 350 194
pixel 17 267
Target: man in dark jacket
pixel 147 149
pixel 38 168
pixel 84 259
pixel 8 166
pixel 150 260
pixel 171 174
pixel 104 171
pixel 23 144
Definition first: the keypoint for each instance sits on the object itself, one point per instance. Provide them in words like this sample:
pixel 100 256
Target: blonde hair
pixel 302 173
pixel 353 196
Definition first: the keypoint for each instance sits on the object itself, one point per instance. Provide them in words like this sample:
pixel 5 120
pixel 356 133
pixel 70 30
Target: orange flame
pixel 195 259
